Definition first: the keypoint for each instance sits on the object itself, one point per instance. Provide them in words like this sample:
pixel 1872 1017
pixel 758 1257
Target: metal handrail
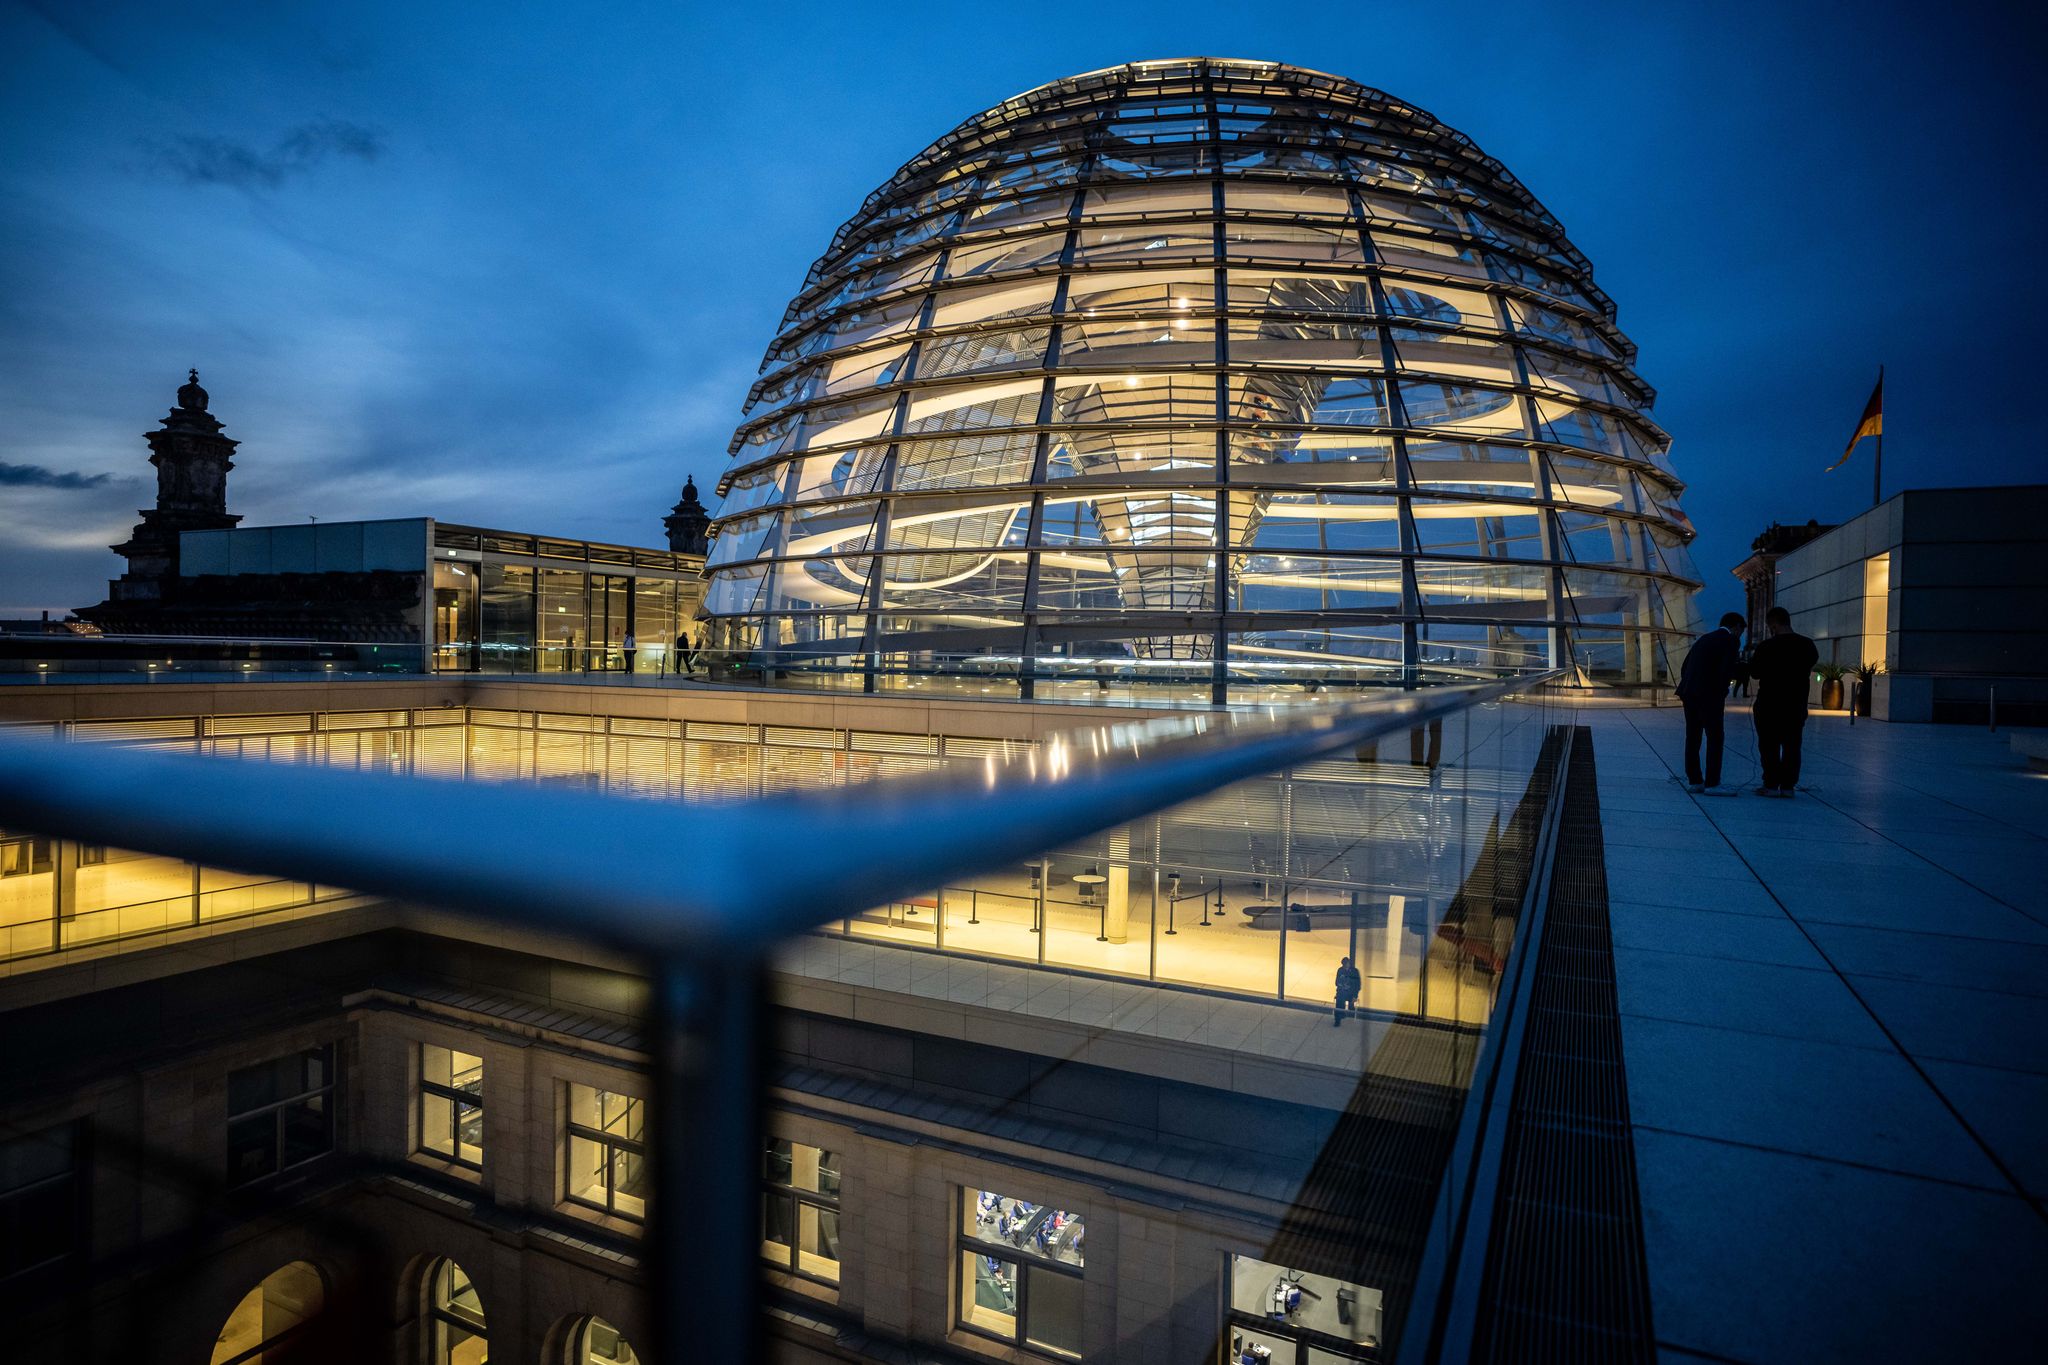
pixel 660 878
pixel 701 892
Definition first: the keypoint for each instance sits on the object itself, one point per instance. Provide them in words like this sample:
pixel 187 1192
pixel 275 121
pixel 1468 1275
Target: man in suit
pixel 1781 666
pixel 1710 665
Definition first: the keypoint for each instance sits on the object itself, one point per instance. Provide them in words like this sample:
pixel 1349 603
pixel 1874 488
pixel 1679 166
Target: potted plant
pixel 1866 675
pixel 1831 676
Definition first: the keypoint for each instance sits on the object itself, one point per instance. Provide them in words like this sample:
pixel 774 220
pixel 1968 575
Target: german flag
pixel 1870 424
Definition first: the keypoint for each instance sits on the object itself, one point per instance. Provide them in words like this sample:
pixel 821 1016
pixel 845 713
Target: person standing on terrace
pixel 1349 983
pixel 1781 665
pixel 1714 661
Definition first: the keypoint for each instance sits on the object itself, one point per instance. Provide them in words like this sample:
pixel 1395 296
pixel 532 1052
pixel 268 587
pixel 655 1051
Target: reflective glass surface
pixel 1150 323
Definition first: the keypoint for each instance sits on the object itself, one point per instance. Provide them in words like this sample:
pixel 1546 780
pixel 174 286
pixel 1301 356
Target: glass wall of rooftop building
pixel 1224 376
pixel 509 603
pixel 1257 890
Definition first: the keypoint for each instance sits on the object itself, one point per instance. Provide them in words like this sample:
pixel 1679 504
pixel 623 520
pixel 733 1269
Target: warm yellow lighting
pixel 1122 527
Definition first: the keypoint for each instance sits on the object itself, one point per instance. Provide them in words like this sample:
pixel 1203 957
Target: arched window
pixel 271 1316
pixel 597 1342
pixel 455 1318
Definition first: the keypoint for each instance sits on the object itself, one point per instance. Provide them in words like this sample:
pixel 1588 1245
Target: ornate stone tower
pixel 688 523
pixel 192 461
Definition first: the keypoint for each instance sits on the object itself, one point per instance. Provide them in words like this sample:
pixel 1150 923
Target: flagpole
pixel 1877 469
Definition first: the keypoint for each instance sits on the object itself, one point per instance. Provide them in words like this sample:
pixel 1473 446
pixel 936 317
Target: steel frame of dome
pixel 1229 376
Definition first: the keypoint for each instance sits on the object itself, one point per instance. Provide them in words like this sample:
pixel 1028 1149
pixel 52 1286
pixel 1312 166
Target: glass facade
pixel 606 1163
pixel 451 1105
pixel 457 1332
pixel 599 1343
pixel 41 1201
pixel 1259 890
pixel 506 603
pixel 1280 1316
pixel 800 1210
pixel 1222 377
pixel 1020 1271
pixel 280 1114
pixel 270 1322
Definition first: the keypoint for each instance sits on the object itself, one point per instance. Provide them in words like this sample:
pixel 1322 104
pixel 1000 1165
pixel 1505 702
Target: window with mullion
pixel 280 1114
pixel 1282 1316
pixel 451 1105
pixel 42 1213
pixel 606 1164
pixel 460 1332
pixel 800 1209
pixel 1020 1271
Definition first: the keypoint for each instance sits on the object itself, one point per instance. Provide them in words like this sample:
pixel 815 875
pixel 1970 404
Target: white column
pixel 1117 921
pixel 1388 962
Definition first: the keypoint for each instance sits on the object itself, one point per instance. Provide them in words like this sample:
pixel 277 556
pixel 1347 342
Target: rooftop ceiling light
pixel 1200 375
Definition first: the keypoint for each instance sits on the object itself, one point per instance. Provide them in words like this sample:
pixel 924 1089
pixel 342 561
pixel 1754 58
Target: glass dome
pixel 1214 379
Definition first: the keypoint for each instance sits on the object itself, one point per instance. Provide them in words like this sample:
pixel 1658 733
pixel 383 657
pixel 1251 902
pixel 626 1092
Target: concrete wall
pixel 1967 608
pixel 1973 591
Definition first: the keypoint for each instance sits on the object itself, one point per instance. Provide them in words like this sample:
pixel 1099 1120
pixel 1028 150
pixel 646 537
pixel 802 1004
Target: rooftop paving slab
pixel 1835 1023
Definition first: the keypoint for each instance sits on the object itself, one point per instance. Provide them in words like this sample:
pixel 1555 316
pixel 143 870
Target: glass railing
pixel 1267 887
pixel 1190 1002
pixel 67 658
pixel 1193 893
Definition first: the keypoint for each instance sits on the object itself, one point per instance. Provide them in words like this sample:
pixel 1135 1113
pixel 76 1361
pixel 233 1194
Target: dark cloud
pixel 35 476
pixel 226 161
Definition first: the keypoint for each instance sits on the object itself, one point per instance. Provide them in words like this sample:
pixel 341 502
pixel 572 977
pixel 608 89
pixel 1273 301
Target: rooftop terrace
pixel 1836 1030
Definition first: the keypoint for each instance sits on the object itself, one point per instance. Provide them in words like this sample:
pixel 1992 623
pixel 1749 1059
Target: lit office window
pixel 1020 1271
pixel 271 1316
pixel 452 1104
pixel 455 1318
pixel 800 1209
pixel 607 1160
pixel 40 1222
pixel 599 1343
pixel 280 1114
pixel 1280 1316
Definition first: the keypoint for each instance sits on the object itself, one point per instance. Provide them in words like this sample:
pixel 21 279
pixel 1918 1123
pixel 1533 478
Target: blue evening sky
pixel 515 264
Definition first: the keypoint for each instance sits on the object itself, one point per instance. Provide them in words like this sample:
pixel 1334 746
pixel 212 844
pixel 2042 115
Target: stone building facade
pixel 192 459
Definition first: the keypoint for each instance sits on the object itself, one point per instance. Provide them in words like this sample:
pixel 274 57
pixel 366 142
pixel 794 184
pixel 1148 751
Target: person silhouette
pixel 1348 985
pixel 1781 665
pixel 1714 661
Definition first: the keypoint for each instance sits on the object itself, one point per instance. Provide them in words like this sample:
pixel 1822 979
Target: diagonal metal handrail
pixel 702 892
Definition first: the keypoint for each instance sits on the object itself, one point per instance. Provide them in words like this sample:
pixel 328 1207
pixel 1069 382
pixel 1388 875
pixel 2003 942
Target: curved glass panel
pixel 1159 372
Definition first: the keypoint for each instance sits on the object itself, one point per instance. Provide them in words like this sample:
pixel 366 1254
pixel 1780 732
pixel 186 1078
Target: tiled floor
pixel 1835 1017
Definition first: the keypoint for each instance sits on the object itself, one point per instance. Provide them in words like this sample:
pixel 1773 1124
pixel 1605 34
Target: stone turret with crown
pixel 192 460
pixel 688 523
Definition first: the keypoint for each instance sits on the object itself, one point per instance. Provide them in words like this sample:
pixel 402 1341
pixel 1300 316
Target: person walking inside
pixel 1781 666
pixel 1349 983
pixel 1710 665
